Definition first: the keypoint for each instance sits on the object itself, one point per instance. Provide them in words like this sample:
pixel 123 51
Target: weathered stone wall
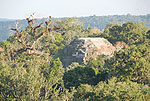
pixel 80 50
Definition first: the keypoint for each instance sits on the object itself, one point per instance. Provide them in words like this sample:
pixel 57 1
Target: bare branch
pixel 30 49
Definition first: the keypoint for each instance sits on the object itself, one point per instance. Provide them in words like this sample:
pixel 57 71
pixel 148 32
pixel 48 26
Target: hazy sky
pixel 16 9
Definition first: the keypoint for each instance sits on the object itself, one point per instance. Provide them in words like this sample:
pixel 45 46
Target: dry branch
pixel 30 49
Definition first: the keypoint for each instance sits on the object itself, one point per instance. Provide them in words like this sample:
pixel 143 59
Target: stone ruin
pixel 80 50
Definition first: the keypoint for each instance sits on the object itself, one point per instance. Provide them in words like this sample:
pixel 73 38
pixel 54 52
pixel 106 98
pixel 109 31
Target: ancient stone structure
pixel 80 50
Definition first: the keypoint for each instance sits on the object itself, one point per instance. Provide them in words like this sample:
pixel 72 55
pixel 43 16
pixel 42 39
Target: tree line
pixel 94 21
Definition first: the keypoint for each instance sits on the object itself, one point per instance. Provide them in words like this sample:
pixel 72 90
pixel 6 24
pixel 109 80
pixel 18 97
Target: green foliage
pixel 79 75
pixel 132 64
pixel 102 73
pixel 84 92
pixel 131 33
pixel 51 43
pixel 111 91
pixel 124 76
pixel 28 78
pixel 6 45
pixel 20 83
pixel 59 92
pixel 97 64
pixel 56 70
pixel 120 91
pixel 72 28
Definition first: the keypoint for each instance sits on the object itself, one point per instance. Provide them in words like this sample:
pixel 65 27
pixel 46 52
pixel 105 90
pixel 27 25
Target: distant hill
pixel 94 21
pixel 101 21
pixel 5 19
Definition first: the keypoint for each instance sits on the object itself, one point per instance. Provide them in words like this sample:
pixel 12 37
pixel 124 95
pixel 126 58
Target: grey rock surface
pixel 80 50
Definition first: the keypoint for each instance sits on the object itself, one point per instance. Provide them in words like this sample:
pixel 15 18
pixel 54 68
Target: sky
pixel 20 9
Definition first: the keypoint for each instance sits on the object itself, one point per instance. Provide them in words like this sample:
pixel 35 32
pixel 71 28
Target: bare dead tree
pixel 30 49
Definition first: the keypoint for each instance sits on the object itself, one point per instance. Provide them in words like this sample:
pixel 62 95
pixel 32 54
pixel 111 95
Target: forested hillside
pixel 30 66
pixel 94 21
